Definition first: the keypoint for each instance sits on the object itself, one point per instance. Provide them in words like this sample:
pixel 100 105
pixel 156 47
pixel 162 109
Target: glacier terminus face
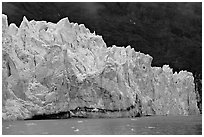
pixel 65 69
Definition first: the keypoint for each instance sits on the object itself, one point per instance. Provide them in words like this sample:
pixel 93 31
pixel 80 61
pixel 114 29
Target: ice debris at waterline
pixel 49 69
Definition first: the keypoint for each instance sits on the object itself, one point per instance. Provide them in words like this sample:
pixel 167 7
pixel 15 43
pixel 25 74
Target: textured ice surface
pixel 50 68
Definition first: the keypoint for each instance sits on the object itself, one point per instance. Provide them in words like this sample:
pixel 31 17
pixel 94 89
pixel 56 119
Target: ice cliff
pixel 52 68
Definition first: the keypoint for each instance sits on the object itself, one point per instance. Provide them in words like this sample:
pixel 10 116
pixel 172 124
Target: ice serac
pixel 52 68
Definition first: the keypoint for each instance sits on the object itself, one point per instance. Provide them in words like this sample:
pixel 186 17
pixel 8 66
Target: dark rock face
pixel 62 68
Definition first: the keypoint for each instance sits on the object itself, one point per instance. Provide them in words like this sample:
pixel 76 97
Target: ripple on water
pixel 22 132
pixel 45 133
pixel 30 124
pixel 152 125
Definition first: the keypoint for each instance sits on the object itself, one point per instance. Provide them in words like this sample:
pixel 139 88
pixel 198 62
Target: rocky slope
pixel 50 69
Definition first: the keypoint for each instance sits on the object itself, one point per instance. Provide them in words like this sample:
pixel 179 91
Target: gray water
pixel 163 125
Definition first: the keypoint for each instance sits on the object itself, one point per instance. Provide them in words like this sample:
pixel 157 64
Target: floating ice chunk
pixel 76 130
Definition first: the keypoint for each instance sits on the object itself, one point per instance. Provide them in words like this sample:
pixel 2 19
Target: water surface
pixel 163 125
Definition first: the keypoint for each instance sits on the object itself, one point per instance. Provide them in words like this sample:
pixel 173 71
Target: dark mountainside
pixel 170 32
